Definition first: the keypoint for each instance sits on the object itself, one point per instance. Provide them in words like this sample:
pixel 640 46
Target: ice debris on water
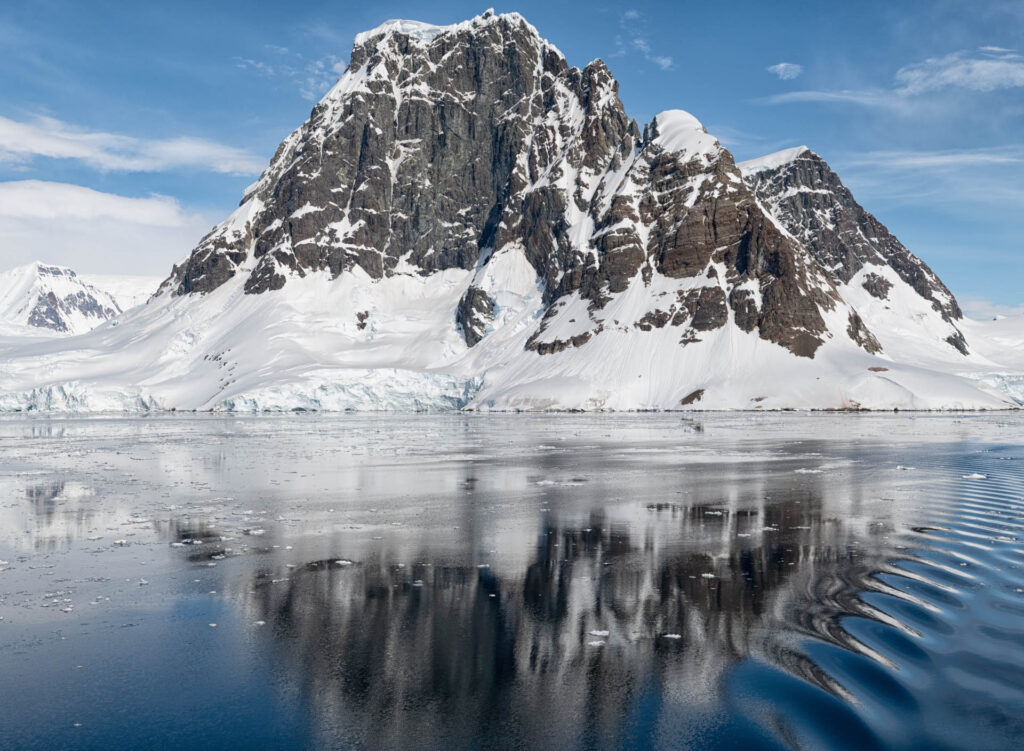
pixel 599 633
pixel 595 643
pixel 975 476
pixel 671 636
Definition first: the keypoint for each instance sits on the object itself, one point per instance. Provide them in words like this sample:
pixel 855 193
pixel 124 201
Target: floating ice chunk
pixel 418 583
pixel 344 562
pixel 259 623
pixel 707 576
pixel 975 476
pixel 143 582
pixel 254 532
pixel 213 625
pixel 671 636
pixel 120 543
pixel 805 471
pixel 595 643
pixel 599 633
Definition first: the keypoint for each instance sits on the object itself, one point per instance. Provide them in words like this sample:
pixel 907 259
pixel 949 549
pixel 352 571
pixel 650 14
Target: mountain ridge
pixel 467 221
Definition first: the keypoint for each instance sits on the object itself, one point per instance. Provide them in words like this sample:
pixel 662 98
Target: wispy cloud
pixel 988 69
pixel 948 159
pixel 865 97
pixel 94 231
pixel 634 39
pixel 311 78
pixel 786 71
pixel 972 182
pixel 46 137
pixel 984 70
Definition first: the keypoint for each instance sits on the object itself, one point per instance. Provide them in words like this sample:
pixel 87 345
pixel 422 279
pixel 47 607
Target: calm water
pixel 463 582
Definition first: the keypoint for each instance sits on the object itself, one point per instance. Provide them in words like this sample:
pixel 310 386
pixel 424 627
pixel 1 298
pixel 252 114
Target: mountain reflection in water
pixel 566 583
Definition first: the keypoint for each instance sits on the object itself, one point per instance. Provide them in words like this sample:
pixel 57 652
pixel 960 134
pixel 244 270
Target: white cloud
pixel 36 199
pixel 786 71
pixel 47 137
pixel 994 68
pixel 92 231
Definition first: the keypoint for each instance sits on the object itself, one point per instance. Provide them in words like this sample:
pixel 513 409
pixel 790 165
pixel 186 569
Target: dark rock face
pixel 877 286
pixel 434 152
pixel 810 201
pixel 815 206
pixel 475 311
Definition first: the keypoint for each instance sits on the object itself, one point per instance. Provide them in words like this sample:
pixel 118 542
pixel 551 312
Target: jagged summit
pixel 774 160
pixel 468 221
pixel 426 33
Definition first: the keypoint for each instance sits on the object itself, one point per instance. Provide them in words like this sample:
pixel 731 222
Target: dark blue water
pixel 563 582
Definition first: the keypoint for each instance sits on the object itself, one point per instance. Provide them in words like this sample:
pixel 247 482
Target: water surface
pixel 559 581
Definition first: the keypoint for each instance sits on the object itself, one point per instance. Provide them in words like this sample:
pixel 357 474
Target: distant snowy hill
pixel 466 221
pixel 42 299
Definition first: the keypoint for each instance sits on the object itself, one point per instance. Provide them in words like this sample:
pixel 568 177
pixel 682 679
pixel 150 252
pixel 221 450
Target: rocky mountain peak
pixel 444 147
pixel 807 197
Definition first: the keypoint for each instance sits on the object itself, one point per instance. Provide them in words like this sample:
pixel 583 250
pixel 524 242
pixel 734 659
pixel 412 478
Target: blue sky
pixel 127 129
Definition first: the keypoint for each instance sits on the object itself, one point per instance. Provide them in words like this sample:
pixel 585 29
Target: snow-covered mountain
pixel 43 299
pixel 467 221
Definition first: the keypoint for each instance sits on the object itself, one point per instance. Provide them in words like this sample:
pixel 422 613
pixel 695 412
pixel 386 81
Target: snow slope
pixel 306 350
